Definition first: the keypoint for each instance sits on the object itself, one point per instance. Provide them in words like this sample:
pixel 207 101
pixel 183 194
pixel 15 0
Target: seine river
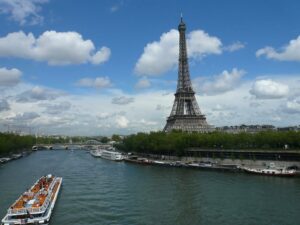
pixel 97 191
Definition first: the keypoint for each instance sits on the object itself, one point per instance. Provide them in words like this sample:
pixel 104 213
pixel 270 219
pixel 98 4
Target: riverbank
pixel 206 163
pixel 14 156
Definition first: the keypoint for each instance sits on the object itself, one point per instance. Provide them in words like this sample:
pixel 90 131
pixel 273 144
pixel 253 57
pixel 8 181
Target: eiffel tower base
pixel 188 123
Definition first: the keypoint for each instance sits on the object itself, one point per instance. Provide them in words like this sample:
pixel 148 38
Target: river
pixel 98 191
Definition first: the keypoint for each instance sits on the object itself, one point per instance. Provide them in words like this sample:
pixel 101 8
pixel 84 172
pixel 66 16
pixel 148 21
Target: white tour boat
pixel 271 170
pixel 36 204
pixel 96 153
pixel 111 155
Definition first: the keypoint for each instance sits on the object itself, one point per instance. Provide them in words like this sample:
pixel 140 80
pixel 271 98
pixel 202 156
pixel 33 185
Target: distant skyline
pixel 104 67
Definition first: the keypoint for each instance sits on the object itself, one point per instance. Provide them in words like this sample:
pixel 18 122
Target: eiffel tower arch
pixel 185 114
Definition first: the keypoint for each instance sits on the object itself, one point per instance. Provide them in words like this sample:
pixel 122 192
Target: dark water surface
pixel 97 191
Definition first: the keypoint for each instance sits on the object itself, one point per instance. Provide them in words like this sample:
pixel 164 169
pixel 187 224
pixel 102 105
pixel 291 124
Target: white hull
pixel 271 171
pixel 111 155
pixel 96 153
pixel 39 220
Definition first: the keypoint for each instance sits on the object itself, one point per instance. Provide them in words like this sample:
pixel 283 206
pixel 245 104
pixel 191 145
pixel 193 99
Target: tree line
pixel 13 143
pixel 176 142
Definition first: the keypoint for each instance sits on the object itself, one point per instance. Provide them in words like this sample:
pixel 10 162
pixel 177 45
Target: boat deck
pixel 36 196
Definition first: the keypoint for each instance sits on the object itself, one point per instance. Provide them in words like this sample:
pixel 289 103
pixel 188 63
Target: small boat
pixel 135 159
pixel 271 170
pixel 96 153
pixel 160 163
pixel 200 165
pixel 16 156
pixel 5 160
pixel 35 205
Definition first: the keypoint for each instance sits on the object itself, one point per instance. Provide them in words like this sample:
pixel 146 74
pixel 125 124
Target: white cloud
pixel 234 47
pixel 101 56
pixel 122 100
pixel 26 116
pixel 161 56
pixel 93 114
pixel 143 83
pixel 122 122
pixel 226 81
pixel 292 107
pixel 221 107
pixel 38 93
pixel 23 11
pixel 269 89
pixel 98 82
pixel 56 48
pixel 9 77
pixel 56 108
pixel 290 52
pixel 4 106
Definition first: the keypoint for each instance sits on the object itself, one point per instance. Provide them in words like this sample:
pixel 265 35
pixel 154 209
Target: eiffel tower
pixel 185 114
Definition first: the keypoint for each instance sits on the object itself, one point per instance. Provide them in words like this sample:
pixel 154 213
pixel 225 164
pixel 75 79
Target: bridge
pixel 90 144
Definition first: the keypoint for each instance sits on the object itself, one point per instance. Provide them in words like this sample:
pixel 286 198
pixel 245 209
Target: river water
pixel 98 191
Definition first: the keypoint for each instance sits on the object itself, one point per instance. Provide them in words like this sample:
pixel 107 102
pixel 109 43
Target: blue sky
pixel 103 67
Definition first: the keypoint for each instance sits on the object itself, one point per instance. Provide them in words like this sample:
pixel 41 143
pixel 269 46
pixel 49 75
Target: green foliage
pixel 176 142
pixel 10 143
pixel 104 140
pixel 116 138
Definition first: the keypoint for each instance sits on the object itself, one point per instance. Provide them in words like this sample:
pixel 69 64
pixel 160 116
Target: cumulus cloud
pixel 143 83
pixel 57 108
pixel 98 82
pixel 4 106
pixel 148 111
pixel 38 94
pixel 234 47
pixel 224 82
pixel 221 107
pixel 292 107
pixel 290 52
pixel 161 56
pixel 160 107
pixel 122 100
pixel 9 77
pixel 269 89
pixel 56 48
pixel 106 115
pixel 122 122
pixel 23 11
pixel 26 116
pixel 101 56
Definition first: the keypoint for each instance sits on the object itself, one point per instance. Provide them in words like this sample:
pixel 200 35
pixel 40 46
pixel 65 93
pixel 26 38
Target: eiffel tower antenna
pixel 185 114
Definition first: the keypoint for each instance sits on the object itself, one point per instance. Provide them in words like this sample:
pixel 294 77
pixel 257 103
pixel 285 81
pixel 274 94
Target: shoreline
pixel 207 163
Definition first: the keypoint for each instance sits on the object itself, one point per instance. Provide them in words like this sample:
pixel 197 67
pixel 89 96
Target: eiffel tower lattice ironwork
pixel 185 114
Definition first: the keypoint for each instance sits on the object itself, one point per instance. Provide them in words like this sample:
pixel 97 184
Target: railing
pixel 40 209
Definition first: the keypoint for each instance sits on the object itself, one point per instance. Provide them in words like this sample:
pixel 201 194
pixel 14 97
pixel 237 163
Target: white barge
pixel 271 170
pixel 107 154
pixel 35 205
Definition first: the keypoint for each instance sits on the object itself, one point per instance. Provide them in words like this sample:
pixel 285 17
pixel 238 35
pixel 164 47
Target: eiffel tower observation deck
pixel 185 114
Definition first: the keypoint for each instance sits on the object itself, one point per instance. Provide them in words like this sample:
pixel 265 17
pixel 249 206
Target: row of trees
pixel 177 142
pixel 10 143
